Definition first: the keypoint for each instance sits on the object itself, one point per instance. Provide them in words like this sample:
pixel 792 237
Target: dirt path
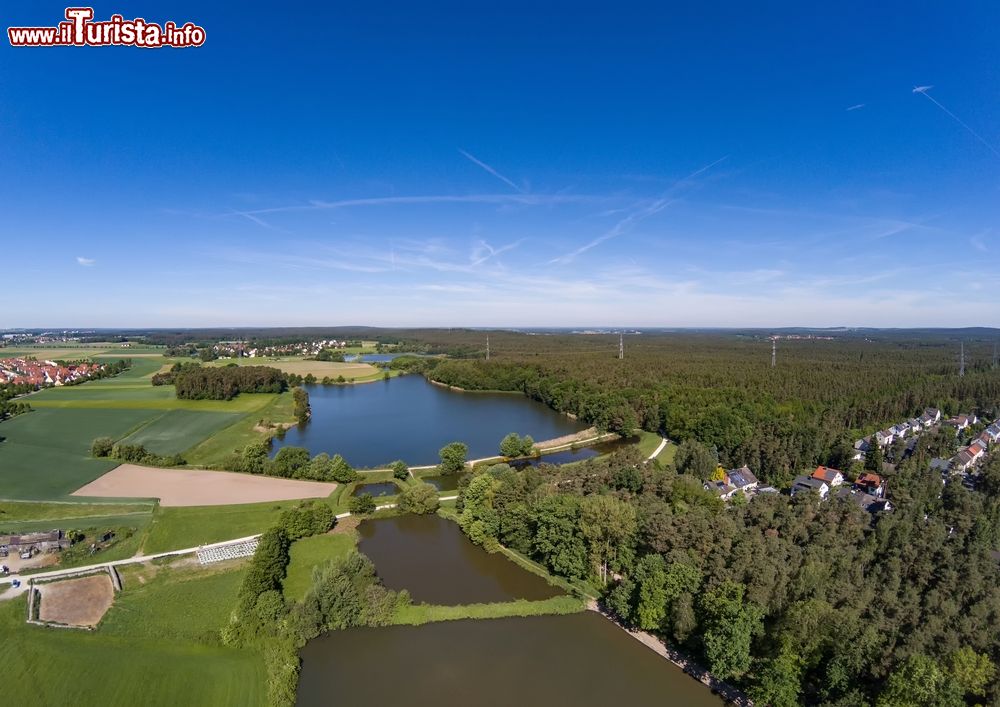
pixel 654 455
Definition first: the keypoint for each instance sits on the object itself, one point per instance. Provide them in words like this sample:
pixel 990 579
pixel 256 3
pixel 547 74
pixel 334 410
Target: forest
pixel 193 382
pixel 722 391
pixel 793 600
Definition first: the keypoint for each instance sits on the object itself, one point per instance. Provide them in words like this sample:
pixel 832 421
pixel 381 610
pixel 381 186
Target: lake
pixel 409 418
pixel 431 558
pixel 372 358
pixel 580 659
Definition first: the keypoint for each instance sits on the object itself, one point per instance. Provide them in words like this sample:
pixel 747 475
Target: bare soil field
pixel 320 369
pixel 188 487
pixel 77 602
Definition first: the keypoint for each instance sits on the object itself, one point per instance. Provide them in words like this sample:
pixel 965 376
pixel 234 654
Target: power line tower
pixel 487 347
pixel 961 365
pixel 621 346
pixel 774 353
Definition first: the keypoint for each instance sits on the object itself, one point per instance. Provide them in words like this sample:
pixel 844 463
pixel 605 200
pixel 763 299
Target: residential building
pixel 871 483
pixel 832 477
pixel 807 483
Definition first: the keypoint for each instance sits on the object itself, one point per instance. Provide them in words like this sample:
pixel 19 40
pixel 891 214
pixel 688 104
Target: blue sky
pixel 703 164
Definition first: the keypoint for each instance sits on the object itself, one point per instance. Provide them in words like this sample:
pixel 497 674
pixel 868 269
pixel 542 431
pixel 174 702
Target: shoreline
pixel 727 692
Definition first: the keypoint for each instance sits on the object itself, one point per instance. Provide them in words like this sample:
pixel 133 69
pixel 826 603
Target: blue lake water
pixel 409 418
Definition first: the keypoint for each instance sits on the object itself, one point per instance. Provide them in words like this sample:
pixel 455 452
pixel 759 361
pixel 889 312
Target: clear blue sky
pixel 526 164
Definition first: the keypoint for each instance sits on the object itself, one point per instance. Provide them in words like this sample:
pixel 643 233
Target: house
pixel 931 417
pixel 993 432
pixel 960 422
pixel 884 437
pixel 861 447
pixel 870 483
pixel 900 431
pixel 807 483
pixel 865 501
pixel 964 460
pixel 732 481
pixel 743 479
pixel 52 540
pixel 832 477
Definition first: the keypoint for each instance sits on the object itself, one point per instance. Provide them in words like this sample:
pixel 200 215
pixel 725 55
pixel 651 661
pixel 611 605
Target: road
pixel 654 455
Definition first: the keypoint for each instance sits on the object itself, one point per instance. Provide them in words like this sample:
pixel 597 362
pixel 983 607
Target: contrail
pixel 492 171
pixel 923 91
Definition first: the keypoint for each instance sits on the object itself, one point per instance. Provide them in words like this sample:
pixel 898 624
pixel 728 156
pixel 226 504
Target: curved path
pixel 655 454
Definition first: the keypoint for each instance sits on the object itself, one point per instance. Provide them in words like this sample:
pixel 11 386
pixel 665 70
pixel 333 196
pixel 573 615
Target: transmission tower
pixel 621 346
pixel 961 365
pixel 774 353
pixel 487 347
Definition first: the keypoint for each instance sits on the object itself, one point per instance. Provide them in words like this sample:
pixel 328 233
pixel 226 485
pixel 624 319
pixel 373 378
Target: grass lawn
pixel 648 442
pixel 26 517
pixel 181 527
pixel 311 552
pixel 156 646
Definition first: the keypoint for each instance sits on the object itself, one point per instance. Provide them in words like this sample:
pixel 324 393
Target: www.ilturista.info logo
pixel 80 30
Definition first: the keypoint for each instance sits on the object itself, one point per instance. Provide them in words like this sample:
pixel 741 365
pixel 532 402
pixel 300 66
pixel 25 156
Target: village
pixel 40 374
pixel 868 490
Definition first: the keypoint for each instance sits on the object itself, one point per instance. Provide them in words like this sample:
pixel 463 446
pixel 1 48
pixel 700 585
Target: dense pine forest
pixel 722 391
pixel 794 600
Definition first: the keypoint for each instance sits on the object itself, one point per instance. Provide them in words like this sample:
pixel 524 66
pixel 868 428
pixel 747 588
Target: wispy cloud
pixel 635 216
pixel 430 199
pixel 858 106
pixel 475 160
pixel 85 262
pixel 924 91
pixel 978 241
pixel 484 251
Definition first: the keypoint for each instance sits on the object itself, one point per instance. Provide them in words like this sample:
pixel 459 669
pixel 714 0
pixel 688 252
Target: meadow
pixel 303 367
pixel 309 553
pixel 158 645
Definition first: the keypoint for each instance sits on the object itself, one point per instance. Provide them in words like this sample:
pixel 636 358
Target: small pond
pixel 575 455
pixel 444 482
pixel 431 557
pixel 382 488
pixel 581 659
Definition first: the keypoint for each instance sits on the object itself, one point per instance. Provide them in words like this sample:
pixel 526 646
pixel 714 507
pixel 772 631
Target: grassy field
pixel 45 454
pixel 157 646
pixel 176 528
pixel 214 450
pixel 26 517
pixel 172 432
pixel 417 614
pixel 648 442
pixel 311 552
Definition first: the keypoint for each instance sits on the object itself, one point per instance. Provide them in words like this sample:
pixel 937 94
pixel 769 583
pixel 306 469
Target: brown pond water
pixel 432 559
pixel 581 660
pixel 381 488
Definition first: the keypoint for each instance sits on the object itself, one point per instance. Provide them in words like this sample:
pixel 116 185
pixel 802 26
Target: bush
pixel 363 504
pixel 101 447
pixel 309 518
pixel 400 470
pixel 419 498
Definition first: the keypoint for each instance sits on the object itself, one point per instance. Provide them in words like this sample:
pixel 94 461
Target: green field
pixel 29 517
pixel 312 552
pixel 176 528
pixel 158 645
pixel 45 454
pixel 172 432
pixel 216 449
